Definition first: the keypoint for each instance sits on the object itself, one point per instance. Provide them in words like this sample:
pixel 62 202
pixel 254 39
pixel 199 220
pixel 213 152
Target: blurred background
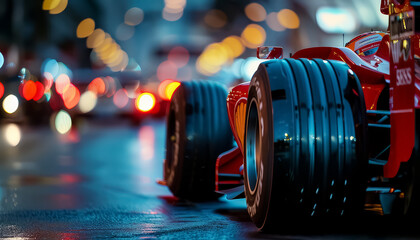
pixel 62 59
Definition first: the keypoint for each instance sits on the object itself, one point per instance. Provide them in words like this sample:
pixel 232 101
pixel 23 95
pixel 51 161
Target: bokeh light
pixel 215 18
pixel 145 102
pixel 96 38
pixel 256 12
pixel 1 90
pixel 40 90
pixel 234 46
pixel 50 4
pixel 12 134
pixel 167 88
pixel 29 90
pixel 170 89
pixel 253 35
pixel 120 98
pixel 134 16
pixel 173 10
pixel 87 101
pixel 171 16
pixel 273 22
pixel 335 20
pixel 62 122
pixel 97 86
pixel 61 83
pixel 62 5
pixel 71 96
pixel 85 28
pixel 1 60
pixel 288 18
pixel 48 81
pixel 50 66
pixel 10 104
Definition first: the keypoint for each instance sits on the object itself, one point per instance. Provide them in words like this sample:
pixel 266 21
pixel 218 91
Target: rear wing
pixel 404 89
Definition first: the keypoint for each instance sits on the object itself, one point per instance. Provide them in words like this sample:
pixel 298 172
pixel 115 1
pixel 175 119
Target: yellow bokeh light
pixel 234 44
pixel 288 18
pixel 60 7
pixel 120 66
pixel 170 89
pixel 207 69
pixel 50 4
pixel 256 12
pixel 85 28
pixel 253 36
pixel 96 38
pixel 107 43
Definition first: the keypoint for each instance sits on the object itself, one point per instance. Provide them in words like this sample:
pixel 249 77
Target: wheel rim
pixel 252 147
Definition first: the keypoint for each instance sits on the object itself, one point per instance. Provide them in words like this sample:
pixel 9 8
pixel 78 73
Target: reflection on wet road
pixel 99 182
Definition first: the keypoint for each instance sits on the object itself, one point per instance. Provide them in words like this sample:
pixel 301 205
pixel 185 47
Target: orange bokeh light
pixel 71 96
pixel 97 86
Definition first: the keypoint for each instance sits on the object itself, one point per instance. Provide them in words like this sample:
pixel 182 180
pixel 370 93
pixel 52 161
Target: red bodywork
pixel 375 72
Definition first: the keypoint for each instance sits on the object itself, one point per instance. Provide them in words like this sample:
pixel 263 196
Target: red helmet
pixel 366 43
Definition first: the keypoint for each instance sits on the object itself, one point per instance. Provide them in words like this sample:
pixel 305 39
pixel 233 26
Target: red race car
pixel 313 134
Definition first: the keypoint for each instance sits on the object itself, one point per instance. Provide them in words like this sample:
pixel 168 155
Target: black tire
pixel 197 132
pixel 305 141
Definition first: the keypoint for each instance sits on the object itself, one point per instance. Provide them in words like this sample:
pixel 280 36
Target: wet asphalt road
pixel 99 182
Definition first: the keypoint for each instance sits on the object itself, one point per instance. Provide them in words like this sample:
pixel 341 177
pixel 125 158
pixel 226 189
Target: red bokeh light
pixel 1 90
pixel 97 86
pixel 39 91
pixel 29 90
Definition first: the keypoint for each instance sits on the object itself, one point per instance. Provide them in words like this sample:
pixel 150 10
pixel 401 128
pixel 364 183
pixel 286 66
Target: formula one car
pixel 312 133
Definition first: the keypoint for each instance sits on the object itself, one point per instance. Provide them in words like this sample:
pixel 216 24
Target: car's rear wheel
pixel 197 132
pixel 305 141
